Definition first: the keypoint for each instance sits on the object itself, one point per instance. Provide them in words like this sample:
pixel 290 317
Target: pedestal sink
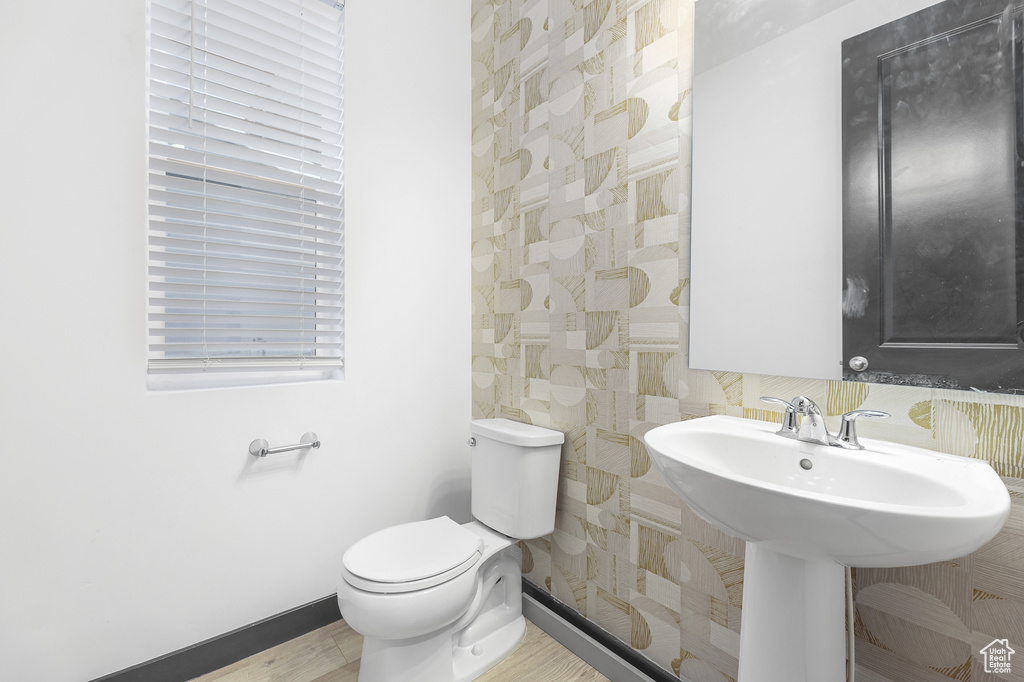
pixel 808 510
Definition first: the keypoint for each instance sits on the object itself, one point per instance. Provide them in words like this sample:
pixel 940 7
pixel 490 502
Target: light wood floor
pixel 331 654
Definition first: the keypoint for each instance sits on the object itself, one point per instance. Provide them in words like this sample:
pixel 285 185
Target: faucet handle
pixel 789 426
pixel 847 436
pixel 779 401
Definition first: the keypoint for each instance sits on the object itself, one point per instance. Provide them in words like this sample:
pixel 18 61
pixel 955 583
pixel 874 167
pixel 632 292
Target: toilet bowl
pixel 437 601
pixel 453 630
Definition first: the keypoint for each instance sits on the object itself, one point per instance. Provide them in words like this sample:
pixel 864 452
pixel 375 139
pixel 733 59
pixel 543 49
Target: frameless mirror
pixel 767 278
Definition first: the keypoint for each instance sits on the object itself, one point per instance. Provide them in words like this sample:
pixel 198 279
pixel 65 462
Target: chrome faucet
pixel 803 421
pixel 812 422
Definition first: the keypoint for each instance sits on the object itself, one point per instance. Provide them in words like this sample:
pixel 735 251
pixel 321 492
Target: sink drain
pixel 806 463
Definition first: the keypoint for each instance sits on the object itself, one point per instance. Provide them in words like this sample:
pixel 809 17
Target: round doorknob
pixel 858 363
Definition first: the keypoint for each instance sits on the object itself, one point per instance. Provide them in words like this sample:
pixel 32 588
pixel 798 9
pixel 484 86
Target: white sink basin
pixel 885 505
pixel 805 510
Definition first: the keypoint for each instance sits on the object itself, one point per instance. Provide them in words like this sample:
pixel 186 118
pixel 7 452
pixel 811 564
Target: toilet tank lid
pixel 515 433
pixel 412 551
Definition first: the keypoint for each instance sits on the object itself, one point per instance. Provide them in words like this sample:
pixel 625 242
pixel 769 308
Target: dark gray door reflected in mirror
pixel 932 185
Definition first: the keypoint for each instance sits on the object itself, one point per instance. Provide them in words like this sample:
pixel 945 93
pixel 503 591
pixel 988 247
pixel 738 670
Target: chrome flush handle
pixel 847 436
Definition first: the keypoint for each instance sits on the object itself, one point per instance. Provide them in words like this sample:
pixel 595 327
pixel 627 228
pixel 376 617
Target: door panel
pixel 931 187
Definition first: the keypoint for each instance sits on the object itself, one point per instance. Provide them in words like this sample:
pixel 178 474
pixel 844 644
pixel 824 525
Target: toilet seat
pixel 411 556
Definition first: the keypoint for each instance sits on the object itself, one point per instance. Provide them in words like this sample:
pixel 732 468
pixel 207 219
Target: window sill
pixel 165 381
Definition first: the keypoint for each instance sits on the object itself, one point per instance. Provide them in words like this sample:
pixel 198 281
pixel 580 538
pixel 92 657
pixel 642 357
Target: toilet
pixel 437 601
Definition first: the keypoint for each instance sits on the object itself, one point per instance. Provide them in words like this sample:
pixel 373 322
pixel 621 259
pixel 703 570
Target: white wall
pixel 135 523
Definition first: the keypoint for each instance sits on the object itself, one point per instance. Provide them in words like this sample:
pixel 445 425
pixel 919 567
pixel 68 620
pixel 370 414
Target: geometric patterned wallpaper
pixel 580 256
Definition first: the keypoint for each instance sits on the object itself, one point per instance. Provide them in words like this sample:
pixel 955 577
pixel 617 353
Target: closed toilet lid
pixel 412 551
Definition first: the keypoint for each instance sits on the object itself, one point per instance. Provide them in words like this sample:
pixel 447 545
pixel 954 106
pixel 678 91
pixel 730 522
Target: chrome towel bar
pixel 261 448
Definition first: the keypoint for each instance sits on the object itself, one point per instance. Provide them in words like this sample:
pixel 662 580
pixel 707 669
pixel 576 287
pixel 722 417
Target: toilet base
pixel 419 658
pixel 470 662
pixel 432 658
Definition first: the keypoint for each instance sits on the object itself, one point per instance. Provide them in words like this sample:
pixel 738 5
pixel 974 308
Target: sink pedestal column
pixel 793 626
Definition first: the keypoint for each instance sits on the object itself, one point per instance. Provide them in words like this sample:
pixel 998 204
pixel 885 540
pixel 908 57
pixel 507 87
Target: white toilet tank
pixel 515 476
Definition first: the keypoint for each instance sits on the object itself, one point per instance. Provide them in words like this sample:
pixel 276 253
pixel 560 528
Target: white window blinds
pixel 245 185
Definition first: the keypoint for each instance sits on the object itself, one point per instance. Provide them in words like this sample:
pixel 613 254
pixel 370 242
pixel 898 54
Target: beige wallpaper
pixel 580 265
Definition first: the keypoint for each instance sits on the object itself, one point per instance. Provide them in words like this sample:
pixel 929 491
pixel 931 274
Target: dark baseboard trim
pixel 604 639
pixel 217 652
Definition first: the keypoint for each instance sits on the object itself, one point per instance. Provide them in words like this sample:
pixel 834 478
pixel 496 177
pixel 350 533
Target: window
pixel 246 210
